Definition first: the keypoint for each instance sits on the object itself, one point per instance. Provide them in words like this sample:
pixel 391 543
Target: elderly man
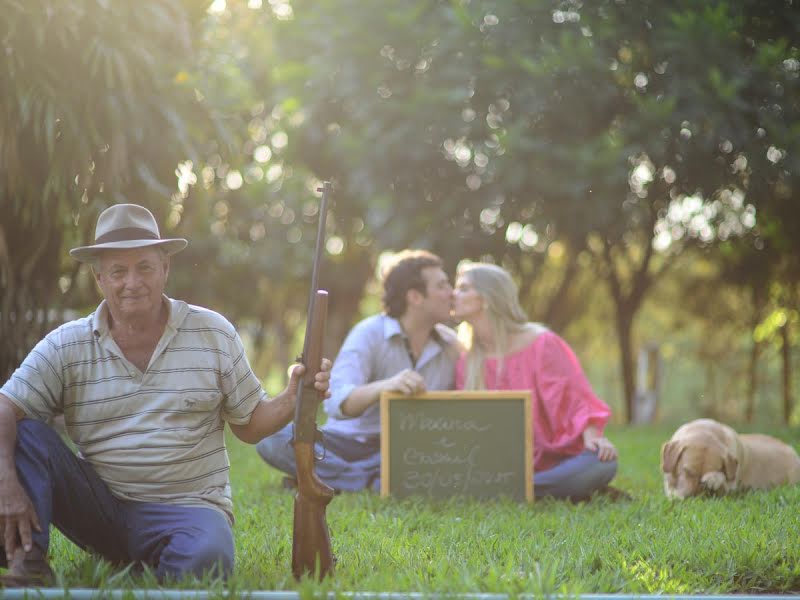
pixel 146 384
pixel 405 349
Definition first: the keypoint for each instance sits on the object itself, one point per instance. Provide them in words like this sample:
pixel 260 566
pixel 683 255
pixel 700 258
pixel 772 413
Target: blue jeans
pixel 347 464
pixel 66 491
pixel 350 465
pixel 575 477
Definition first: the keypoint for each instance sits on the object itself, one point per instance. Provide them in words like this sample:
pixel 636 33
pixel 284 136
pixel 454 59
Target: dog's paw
pixel 713 481
pixel 673 494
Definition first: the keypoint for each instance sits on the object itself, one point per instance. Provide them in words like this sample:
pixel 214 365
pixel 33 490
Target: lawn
pixel 747 543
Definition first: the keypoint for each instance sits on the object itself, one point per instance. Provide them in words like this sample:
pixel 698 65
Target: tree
pixel 97 106
pixel 613 132
pixel 499 128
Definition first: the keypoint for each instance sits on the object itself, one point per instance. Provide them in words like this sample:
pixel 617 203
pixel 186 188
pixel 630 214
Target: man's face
pixel 438 298
pixel 132 281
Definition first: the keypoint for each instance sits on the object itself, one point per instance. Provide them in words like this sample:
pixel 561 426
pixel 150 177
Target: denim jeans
pixel 351 465
pixel 347 464
pixel 575 477
pixel 66 491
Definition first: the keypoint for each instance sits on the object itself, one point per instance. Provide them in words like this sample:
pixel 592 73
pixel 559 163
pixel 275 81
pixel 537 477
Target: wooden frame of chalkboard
pixel 476 443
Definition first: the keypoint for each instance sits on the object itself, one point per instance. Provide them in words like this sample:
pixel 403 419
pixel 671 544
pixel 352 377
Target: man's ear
pixel 414 297
pixel 670 453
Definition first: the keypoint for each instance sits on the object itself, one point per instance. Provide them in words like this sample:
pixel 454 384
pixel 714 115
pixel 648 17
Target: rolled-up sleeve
pixel 567 401
pixel 241 388
pixel 37 386
pixel 353 366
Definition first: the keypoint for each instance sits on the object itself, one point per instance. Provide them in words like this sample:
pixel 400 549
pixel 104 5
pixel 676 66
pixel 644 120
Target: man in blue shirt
pixel 405 349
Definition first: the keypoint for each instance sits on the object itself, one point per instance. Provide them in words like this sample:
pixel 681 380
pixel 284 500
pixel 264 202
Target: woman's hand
pixel 592 440
pixel 603 446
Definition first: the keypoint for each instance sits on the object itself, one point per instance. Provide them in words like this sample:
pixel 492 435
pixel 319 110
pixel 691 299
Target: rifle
pixel 311 542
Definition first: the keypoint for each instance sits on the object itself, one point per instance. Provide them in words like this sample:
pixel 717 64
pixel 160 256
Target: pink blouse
pixel 564 404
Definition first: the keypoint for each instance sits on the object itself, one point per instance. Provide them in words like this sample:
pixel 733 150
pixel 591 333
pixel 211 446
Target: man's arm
pixel 10 413
pixel 17 515
pixel 271 415
pixel 362 397
pixel 352 380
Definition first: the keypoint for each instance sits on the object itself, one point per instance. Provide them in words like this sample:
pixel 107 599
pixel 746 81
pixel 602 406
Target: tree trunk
pixel 560 311
pixel 752 381
pixel 624 325
pixel 758 300
pixel 29 262
pixel 345 283
pixel 627 292
pixel 786 355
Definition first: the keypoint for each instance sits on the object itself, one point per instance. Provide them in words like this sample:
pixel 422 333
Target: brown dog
pixel 705 455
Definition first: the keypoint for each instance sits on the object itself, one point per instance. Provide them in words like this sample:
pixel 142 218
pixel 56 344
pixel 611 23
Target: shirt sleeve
pixel 241 388
pixel 353 366
pixel 37 386
pixel 567 404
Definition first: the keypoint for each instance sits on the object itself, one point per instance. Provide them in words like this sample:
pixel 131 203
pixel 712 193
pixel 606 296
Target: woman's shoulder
pixel 533 335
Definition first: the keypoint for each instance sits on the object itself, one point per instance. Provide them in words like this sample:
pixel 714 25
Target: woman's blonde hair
pixel 506 317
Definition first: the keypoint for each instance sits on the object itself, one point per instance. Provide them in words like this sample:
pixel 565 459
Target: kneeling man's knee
pixel 210 558
pixel 33 430
pixel 195 555
pixel 37 441
pixel 204 547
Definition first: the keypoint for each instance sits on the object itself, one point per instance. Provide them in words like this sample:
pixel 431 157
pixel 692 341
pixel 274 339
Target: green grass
pixel 746 543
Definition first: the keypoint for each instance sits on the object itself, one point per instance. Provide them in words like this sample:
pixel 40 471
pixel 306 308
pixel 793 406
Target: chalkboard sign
pixel 442 444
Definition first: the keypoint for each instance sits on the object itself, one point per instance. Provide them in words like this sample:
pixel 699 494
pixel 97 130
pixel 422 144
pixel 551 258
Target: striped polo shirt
pixel 155 436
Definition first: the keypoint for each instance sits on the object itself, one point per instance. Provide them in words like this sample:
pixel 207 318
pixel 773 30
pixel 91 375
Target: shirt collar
pixel 100 320
pixel 177 311
pixel 392 327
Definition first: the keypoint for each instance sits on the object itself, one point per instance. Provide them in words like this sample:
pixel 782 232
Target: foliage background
pixel 634 165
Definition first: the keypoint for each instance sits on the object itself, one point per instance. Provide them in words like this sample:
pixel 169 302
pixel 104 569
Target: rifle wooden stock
pixel 311 543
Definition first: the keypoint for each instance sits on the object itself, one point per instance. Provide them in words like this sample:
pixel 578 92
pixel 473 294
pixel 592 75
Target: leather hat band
pixel 126 234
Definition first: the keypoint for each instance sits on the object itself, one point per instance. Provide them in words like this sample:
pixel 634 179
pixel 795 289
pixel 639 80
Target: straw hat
pixel 124 226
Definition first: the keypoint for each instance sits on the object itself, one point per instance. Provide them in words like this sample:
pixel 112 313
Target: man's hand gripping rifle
pixel 311 542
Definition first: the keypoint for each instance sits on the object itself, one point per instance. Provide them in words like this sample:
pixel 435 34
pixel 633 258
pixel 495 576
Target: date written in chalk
pixel 461 475
pixel 461 481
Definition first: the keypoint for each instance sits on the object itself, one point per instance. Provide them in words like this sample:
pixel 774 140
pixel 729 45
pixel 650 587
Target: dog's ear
pixel 730 464
pixel 670 453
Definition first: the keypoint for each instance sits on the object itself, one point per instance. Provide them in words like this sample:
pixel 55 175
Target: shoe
pixel 28 569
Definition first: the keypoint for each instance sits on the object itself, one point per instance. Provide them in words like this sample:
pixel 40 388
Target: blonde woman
pixel 504 351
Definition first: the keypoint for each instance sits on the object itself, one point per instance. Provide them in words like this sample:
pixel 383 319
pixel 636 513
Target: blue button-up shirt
pixel 376 349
